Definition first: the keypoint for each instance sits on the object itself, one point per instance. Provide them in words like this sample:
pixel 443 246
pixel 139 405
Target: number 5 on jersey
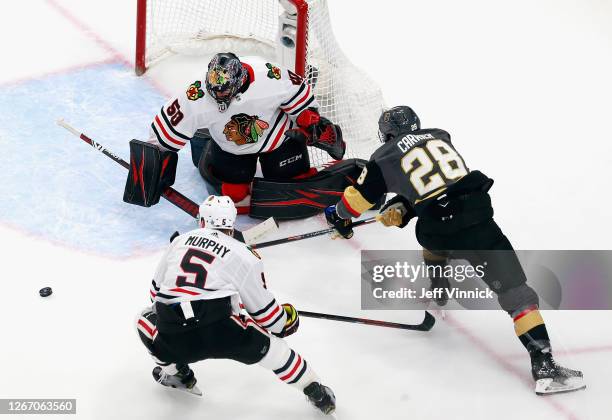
pixel 433 166
pixel 193 263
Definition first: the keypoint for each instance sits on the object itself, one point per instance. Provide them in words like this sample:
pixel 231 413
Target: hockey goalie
pixel 245 111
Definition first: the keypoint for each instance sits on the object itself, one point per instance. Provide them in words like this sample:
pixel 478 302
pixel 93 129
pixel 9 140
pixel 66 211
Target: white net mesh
pixel 250 27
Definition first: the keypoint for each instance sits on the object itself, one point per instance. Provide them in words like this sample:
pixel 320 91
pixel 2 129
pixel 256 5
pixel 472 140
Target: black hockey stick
pixel 309 235
pixel 426 325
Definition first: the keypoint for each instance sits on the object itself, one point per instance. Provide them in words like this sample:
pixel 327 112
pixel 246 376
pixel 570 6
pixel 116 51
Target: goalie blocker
pixel 151 171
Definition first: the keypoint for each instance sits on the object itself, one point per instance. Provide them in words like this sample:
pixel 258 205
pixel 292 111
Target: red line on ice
pixel 87 31
pixel 507 366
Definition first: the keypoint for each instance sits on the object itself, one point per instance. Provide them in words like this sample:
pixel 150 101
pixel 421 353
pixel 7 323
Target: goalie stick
pixel 182 202
pixel 310 234
pixel 426 325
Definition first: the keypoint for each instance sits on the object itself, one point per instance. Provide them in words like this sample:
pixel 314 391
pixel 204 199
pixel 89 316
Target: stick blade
pixel 256 232
pixel 428 322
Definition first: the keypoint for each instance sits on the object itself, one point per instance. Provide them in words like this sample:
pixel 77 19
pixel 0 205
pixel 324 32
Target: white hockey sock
pixel 288 365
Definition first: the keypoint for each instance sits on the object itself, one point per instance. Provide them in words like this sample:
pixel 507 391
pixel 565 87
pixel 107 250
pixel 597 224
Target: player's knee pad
pixel 286 162
pixel 277 354
pixel 146 325
pixel 518 298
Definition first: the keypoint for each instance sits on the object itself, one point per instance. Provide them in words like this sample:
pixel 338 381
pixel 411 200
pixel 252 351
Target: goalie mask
pixel 224 78
pixel 217 212
pixel 399 119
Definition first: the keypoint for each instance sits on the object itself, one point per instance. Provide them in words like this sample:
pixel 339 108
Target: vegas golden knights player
pixel 455 220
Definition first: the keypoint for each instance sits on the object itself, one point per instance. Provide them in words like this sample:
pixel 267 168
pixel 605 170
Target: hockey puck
pixel 45 291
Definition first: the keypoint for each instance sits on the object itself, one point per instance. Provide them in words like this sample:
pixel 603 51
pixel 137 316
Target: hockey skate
pixel 551 378
pixel 183 380
pixel 321 397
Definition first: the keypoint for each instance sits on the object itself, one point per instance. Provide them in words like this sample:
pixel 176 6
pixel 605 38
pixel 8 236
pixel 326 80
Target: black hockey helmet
pixel 224 78
pixel 395 120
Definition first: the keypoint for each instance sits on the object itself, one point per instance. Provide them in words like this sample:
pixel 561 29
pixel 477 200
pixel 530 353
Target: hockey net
pixel 296 34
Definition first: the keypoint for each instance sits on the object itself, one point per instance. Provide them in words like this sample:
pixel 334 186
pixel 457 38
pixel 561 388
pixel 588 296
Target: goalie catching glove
pixel 292 323
pixel 319 132
pixel 152 170
pixel 396 212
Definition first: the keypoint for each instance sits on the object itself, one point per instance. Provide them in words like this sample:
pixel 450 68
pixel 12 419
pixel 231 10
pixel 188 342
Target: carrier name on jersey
pixel 208 245
pixel 409 140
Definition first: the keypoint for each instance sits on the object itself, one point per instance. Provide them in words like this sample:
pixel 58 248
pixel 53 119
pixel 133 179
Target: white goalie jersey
pixel 255 121
pixel 206 264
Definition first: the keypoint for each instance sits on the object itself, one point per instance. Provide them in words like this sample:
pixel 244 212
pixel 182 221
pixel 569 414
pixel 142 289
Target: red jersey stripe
pixel 146 327
pixel 166 135
pixel 302 99
pixel 270 315
pixel 180 290
pixel 279 135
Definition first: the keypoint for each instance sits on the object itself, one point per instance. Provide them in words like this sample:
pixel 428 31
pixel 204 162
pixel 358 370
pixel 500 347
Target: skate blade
pixel 195 391
pixel 549 386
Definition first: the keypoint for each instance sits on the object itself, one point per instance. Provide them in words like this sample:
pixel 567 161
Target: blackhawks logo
pixel 273 71
pixel 194 92
pixel 244 129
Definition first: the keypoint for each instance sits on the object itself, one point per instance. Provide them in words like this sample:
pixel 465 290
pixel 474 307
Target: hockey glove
pixel 293 320
pixel 396 212
pixel 319 132
pixel 342 227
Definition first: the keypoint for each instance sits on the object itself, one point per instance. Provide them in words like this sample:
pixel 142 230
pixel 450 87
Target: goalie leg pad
pixel 151 171
pixel 300 198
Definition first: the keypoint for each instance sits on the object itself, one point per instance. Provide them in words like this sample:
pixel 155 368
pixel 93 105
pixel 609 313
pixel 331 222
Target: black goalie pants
pixel 289 160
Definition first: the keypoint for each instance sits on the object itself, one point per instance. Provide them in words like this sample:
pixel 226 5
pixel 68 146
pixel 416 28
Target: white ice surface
pixel 523 87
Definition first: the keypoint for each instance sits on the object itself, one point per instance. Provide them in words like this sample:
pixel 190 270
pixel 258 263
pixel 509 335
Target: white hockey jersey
pixel 208 264
pixel 255 121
